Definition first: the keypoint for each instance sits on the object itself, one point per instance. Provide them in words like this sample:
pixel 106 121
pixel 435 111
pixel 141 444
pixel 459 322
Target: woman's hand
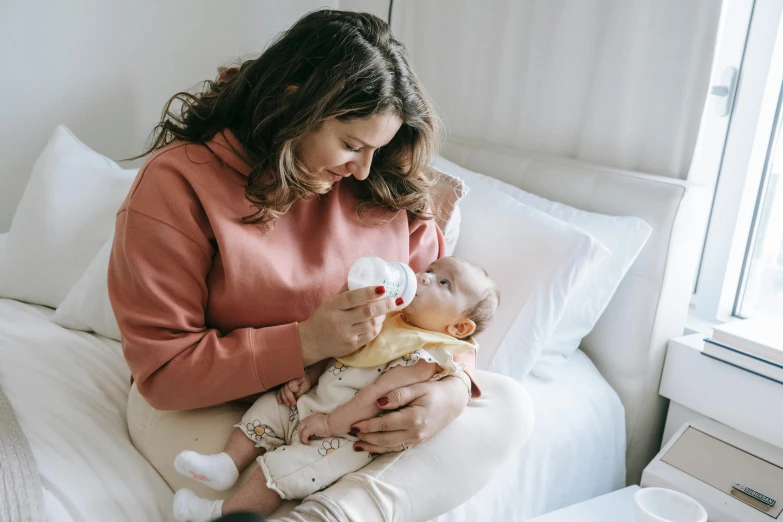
pixel 426 408
pixel 344 323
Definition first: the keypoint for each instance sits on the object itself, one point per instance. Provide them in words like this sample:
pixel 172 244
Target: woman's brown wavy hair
pixel 329 64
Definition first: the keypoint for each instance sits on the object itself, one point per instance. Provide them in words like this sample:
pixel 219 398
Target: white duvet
pixel 69 391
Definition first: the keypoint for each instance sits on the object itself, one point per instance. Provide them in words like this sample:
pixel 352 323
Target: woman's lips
pixel 335 177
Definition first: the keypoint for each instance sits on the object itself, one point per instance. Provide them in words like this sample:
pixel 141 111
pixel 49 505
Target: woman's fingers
pixel 378 450
pixel 365 313
pixel 367 333
pixel 387 430
pixel 407 425
pixel 364 304
pixel 354 298
pixel 402 396
pixel 371 327
pixel 390 439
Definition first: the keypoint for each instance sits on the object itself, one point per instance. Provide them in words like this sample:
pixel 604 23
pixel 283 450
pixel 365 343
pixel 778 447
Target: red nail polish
pixel 358 448
pixel 399 301
pixel 383 401
pixel 380 290
pixel 354 432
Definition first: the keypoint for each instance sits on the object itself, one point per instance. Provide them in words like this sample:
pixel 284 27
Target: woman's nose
pixel 360 167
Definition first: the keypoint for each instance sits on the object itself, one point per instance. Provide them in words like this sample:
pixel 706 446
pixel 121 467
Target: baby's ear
pixel 462 328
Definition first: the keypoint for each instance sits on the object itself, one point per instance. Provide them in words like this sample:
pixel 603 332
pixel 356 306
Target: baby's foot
pixel 189 507
pixel 216 471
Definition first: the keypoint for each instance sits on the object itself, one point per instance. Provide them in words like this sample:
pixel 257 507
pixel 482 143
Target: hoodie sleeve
pixel 161 257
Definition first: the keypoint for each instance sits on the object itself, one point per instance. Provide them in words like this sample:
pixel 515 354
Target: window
pixel 761 291
pixel 741 271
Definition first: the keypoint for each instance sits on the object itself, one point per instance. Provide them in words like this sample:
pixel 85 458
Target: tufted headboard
pixel 651 305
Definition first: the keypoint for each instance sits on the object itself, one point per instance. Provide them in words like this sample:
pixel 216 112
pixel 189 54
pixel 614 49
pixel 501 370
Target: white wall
pixel 105 69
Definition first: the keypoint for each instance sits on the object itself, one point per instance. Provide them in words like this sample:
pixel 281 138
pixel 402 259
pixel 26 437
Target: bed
pixel 599 421
pixel 70 389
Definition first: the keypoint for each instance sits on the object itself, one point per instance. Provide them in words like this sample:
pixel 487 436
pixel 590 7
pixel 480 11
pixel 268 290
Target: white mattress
pixel 69 391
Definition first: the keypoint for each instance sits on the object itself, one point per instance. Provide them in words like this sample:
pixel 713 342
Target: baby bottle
pixel 397 278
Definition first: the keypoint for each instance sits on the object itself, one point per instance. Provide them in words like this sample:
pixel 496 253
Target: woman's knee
pixel 512 409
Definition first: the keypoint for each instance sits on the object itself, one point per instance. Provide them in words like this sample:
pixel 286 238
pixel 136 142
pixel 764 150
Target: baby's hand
pixel 314 425
pixel 292 390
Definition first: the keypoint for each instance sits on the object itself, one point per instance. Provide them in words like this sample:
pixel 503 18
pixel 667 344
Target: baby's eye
pixel 351 148
pixel 445 283
pixel 428 271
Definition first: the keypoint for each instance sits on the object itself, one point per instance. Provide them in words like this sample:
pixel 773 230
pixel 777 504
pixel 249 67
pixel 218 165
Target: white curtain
pixel 617 82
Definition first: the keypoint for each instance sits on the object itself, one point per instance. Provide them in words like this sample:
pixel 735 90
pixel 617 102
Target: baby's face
pixel 445 291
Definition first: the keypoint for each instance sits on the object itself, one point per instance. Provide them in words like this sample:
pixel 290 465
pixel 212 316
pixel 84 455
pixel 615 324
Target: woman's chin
pixel 322 187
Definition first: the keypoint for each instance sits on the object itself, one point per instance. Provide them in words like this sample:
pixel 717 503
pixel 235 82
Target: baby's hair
pixel 484 310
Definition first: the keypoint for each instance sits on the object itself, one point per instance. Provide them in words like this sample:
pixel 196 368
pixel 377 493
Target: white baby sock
pixel 189 507
pixel 216 471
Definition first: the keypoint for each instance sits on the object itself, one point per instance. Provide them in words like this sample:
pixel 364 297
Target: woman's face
pixel 346 148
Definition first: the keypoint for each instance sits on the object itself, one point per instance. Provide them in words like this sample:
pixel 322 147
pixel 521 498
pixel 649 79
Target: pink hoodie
pixel 207 305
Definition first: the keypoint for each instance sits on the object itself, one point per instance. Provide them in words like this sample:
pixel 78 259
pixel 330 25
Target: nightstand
pixel 701 387
pixel 612 507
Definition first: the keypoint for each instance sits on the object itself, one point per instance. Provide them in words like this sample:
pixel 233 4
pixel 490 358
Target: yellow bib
pixel 398 338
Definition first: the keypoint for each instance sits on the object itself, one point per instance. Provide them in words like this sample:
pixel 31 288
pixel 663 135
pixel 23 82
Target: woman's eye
pixel 351 148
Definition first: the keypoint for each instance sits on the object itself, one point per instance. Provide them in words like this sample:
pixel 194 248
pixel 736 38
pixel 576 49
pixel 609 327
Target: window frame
pixel 743 164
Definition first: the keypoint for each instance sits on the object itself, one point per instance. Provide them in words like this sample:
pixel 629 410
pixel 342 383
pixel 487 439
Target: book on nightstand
pixel 754 345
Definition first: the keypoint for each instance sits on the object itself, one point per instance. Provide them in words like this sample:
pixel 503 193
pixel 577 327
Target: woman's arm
pixel 158 290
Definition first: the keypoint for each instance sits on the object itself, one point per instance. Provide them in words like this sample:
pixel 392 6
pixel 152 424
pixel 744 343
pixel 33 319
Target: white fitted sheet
pixel 69 390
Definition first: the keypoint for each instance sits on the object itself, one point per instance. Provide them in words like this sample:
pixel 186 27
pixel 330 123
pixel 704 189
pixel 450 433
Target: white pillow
pixel 87 306
pixel 623 236
pixel 64 217
pixel 536 261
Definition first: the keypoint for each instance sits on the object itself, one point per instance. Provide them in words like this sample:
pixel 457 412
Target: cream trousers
pixel 449 468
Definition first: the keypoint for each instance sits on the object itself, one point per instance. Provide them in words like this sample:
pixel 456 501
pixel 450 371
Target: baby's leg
pixel 262 428
pixel 252 496
pixel 221 470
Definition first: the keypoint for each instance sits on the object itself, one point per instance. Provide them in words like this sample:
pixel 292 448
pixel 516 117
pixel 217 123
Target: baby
pixel 454 301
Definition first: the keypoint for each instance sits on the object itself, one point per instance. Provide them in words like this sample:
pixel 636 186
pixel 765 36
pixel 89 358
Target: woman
pixel 231 250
